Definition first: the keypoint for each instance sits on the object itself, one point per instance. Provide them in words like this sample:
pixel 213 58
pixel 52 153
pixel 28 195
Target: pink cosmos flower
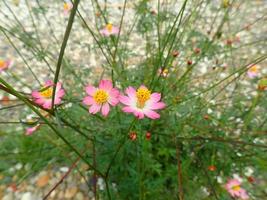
pixel 31 130
pixel 4 64
pixel 67 7
pixel 101 97
pixel 142 103
pixel 253 71
pixel 235 190
pixel 109 29
pixel 43 97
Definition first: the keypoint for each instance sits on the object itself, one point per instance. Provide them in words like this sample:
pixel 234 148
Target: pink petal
pixel 125 100
pixel 143 87
pixel 60 93
pixel 47 104
pixel 105 85
pixel 88 101
pixel 128 109
pixel 90 90
pixel 113 101
pixel 155 97
pixel 130 91
pixel 243 194
pixel 49 83
pixel 95 108
pixel 115 30
pixel 31 130
pixel 59 86
pixel 57 100
pixel 39 101
pixel 151 114
pixel 252 74
pixel 104 32
pixel 139 114
pixel 8 63
pixel 156 106
pixel 114 92
pixel 36 94
pixel 105 109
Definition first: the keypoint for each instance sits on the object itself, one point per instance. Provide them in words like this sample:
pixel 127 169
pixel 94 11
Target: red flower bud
pixel 189 62
pixel 206 117
pixel 175 53
pixel 251 179
pixel 148 135
pixel 197 50
pixel 133 136
pixel 212 168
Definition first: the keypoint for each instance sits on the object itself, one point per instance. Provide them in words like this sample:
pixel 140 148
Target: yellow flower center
pixel 236 188
pixel 165 71
pixel 2 64
pixel 47 92
pixel 254 69
pixel 109 27
pixel 100 96
pixel 66 6
pixel 142 95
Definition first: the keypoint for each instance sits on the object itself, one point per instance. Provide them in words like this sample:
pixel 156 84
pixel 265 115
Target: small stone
pixel 79 196
pixel 43 180
pixel 64 169
pixel 8 196
pixel 60 195
pixel 70 192
pixel 27 196
pixel 1 194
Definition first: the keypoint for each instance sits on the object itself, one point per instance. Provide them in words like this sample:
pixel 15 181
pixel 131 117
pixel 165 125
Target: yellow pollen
pixel 2 63
pixel 142 95
pixel 165 72
pixel 236 188
pixel 47 92
pixel 109 27
pixel 100 96
pixel 66 6
pixel 254 69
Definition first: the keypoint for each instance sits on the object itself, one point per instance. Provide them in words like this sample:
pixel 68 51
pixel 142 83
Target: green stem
pixel 63 47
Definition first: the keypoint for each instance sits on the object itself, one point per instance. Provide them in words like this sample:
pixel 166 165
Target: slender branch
pixel 62 178
pixel 63 47
pixel 219 139
pixel 179 170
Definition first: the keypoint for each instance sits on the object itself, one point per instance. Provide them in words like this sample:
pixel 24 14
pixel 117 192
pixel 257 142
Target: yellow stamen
pixel 109 27
pixel 2 63
pixel 100 96
pixel 47 92
pixel 142 94
pixel 236 188
pixel 254 69
pixel 66 6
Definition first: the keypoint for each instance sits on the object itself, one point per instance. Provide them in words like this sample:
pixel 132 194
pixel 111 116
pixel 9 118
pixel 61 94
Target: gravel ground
pixel 80 52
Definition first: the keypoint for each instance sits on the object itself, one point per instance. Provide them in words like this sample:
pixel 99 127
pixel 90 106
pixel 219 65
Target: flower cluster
pixel 140 102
